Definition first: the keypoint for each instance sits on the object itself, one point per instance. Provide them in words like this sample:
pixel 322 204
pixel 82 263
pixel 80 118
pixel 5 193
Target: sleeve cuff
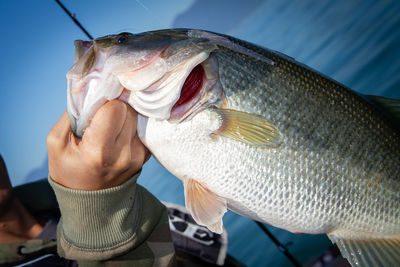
pixel 98 225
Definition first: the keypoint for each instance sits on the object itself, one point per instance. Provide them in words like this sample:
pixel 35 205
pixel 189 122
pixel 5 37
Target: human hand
pixel 108 154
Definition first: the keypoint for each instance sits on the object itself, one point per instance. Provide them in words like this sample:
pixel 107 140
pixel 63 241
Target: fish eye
pixel 122 38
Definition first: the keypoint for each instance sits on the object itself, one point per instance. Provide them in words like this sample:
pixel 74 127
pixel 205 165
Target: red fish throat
pixel 192 86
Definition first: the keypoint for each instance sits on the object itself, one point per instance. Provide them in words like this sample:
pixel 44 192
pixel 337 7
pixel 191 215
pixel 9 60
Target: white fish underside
pixel 329 174
pixel 295 189
pixel 336 170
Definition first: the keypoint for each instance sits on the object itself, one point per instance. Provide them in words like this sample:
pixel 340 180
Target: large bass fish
pixel 252 130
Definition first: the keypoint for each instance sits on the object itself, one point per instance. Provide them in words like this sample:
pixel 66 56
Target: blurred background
pixel 354 42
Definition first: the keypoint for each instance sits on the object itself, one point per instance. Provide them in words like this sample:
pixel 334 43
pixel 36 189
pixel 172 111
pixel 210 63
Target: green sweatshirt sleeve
pixel 123 223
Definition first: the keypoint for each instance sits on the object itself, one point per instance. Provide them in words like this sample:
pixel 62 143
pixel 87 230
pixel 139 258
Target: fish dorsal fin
pixel 247 128
pixel 369 252
pixel 205 206
pixel 392 106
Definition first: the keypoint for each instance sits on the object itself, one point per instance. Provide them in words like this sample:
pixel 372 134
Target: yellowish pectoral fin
pixel 369 252
pixel 247 128
pixel 206 207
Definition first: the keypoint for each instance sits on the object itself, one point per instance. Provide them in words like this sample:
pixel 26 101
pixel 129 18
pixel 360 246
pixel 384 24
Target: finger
pixel 129 144
pixel 58 136
pixel 128 130
pixel 106 124
pixel 140 153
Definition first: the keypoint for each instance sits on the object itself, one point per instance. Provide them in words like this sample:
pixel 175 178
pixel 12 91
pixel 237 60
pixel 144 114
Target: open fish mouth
pixel 167 74
pixel 163 80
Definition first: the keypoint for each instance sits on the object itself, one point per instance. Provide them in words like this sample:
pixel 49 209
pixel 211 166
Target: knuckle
pixel 98 157
pixel 123 163
pixel 51 140
pixel 94 158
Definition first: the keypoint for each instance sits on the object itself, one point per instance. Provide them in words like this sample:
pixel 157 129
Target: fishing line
pixel 72 16
pixel 282 248
pixel 152 14
pixel 140 3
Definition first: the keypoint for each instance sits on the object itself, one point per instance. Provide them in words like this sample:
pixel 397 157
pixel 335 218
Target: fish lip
pixel 72 111
pixel 82 43
pixel 81 109
pixel 81 47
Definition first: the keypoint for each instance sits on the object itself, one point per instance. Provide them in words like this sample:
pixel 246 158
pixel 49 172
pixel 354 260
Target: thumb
pixel 106 124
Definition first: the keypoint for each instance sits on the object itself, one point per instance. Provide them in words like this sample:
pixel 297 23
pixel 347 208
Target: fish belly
pixel 337 166
pixel 281 186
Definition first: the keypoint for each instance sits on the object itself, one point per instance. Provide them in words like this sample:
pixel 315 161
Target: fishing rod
pixel 72 16
pixel 280 246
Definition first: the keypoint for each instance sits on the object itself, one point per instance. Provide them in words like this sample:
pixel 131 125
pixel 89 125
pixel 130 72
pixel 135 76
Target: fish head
pixel 146 70
pixel 166 74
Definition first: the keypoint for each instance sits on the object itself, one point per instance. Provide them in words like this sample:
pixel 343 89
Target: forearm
pixel 103 224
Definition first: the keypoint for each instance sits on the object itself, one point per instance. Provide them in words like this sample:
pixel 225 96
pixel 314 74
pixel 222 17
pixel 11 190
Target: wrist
pixel 82 179
pixel 98 223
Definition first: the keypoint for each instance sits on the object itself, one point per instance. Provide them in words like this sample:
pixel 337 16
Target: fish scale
pixel 330 156
pixel 266 136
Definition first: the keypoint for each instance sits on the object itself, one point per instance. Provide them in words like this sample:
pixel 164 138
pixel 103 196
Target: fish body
pixel 252 130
